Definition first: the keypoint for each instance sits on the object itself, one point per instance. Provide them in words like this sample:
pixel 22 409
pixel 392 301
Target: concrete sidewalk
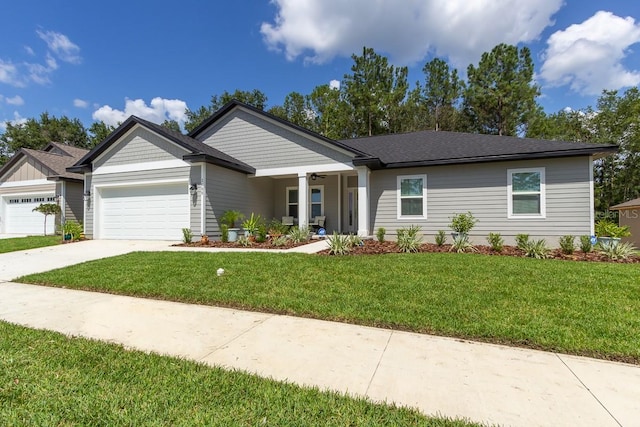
pixel 440 376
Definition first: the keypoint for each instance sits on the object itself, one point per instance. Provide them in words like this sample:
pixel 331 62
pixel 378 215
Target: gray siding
pixel 26 170
pixel 139 177
pixel 139 146
pixel 43 188
pixel 74 202
pixel 482 189
pixel 265 145
pixel 195 200
pixel 227 189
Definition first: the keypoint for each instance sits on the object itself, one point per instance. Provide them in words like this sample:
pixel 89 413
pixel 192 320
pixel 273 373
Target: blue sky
pixel 97 60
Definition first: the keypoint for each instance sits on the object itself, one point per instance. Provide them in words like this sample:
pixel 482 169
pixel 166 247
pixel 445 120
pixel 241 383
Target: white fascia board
pixel 297 170
pixel 126 134
pixel 137 167
pixel 13 184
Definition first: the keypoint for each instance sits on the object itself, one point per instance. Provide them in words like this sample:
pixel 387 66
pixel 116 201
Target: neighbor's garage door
pixel 20 217
pixel 158 212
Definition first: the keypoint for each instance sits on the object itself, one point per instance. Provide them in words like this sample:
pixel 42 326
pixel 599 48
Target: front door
pixel 352 211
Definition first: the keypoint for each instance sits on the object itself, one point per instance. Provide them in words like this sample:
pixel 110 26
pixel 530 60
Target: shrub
pixel 339 244
pixel 230 218
pixel 585 244
pixel 355 240
pixel 536 249
pixel 408 240
pixel 567 244
pixel 380 234
pixel 244 241
pixel 461 243
pixel 496 241
pixel 252 224
pixel 73 229
pixel 279 240
pixel 522 240
pixel 299 235
pixel 261 234
pixel 187 235
pixel 277 228
pixel 463 223
pixel 607 228
pixel 224 233
pixel 441 238
pixel 615 250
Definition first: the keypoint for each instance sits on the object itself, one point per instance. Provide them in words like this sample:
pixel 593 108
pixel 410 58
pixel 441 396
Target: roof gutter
pixel 206 158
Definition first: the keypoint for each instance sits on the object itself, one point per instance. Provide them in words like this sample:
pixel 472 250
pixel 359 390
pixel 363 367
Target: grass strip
pixel 31 242
pixel 47 379
pixel 579 308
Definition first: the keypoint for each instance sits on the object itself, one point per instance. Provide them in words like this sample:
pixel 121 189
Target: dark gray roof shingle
pixel 434 148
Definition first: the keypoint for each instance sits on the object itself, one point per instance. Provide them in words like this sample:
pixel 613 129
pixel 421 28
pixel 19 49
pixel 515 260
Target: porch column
pixel 303 203
pixel 363 201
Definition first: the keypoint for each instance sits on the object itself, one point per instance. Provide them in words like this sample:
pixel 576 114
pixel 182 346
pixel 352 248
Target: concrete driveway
pixel 16 264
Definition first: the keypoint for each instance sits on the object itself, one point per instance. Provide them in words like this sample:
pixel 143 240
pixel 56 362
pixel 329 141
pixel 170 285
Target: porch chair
pixel 317 222
pixel 287 220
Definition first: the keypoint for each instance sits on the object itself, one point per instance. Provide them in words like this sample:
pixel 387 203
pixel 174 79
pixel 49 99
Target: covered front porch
pixel 336 200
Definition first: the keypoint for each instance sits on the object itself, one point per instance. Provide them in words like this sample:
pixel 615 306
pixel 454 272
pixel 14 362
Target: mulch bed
pixel 235 245
pixel 373 247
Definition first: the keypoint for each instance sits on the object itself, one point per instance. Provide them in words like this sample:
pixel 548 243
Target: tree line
pixel 498 97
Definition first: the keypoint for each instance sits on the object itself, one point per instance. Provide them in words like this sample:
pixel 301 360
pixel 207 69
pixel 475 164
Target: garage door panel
pixel 144 212
pixel 20 217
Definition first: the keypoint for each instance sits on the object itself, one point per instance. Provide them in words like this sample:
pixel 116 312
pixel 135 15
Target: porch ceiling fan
pixel 315 176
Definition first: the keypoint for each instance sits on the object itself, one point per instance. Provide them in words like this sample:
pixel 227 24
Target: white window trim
pixel 543 195
pixel 290 202
pixel 321 188
pixel 311 187
pixel 399 196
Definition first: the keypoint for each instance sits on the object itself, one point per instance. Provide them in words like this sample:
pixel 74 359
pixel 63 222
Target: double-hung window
pixel 526 193
pixel 412 196
pixel 315 198
pixel 292 202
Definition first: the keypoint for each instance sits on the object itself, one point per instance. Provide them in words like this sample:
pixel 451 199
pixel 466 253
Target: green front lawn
pixel 581 308
pixel 30 242
pixel 47 379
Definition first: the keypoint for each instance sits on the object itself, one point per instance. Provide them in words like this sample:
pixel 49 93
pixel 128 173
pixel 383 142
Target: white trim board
pixel 10 184
pixel 137 167
pixel 297 170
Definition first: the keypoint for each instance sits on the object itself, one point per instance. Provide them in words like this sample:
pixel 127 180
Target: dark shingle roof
pixel 440 148
pixel 55 162
pixel 199 151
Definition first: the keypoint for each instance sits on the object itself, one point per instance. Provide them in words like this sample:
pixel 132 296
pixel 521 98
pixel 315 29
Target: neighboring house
pixel 629 215
pixel 32 177
pixel 148 182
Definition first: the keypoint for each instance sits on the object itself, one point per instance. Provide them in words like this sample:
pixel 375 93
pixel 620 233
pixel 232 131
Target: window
pixel 316 201
pixel 526 193
pixel 412 196
pixel 292 202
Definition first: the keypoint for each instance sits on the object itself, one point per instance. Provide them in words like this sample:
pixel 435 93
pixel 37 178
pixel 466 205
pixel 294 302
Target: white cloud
pixel 158 110
pixel 19 75
pixel 9 74
pixel 588 56
pixel 80 103
pixel 16 100
pixel 61 46
pixel 17 120
pixel 334 84
pixel 319 30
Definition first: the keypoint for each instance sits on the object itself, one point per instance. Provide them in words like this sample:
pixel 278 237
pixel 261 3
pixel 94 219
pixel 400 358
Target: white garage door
pixel 158 212
pixel 20 217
